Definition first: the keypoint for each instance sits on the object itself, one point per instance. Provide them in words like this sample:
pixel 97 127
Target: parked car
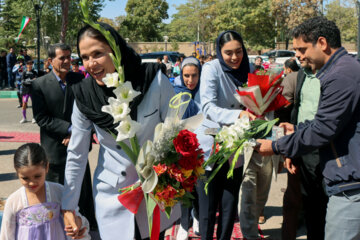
pixel 151 57
pixel 280 55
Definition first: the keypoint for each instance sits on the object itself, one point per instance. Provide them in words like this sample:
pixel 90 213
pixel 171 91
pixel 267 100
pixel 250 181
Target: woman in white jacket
pixel 114 169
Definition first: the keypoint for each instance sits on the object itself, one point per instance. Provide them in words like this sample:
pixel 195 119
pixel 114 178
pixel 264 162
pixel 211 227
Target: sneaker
pixel 196 224
pixel 19 106
pixel 182 234
pixel 33 121
pixel 23 120
pixel 262 219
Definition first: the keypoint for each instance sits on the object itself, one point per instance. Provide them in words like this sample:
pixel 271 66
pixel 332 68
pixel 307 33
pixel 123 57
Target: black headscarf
pixel 238 76
pixel 90 97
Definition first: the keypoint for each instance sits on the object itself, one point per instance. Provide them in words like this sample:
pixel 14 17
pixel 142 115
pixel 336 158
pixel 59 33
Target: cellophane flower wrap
pixel 168 167
pixel 230 142
pixel 263 91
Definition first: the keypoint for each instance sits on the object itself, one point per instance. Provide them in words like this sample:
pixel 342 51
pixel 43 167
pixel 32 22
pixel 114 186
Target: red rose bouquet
pixel 263 92
pixel 168 167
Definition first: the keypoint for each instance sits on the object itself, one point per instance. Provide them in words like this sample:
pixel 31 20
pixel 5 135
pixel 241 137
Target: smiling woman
pixel 114 169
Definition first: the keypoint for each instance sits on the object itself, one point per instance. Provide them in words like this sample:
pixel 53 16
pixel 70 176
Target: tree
pixel 144 18
pixel 65 19
pixel 186 27
pixel 251 18
pixel 290 13
pixel 345 17
pixel 52 22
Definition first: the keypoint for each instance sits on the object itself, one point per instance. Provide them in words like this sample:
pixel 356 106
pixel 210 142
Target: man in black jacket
pixel 52 108
pixel 335 131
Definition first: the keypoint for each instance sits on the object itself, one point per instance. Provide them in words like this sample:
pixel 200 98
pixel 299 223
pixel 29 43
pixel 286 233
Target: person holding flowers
pixel 189 79
pixel 136 103
pixel 219 81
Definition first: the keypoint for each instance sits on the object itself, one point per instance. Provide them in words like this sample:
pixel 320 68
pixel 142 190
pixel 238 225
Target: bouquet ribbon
pixel 132 199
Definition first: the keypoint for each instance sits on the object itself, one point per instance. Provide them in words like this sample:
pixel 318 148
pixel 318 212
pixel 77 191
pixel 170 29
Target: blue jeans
pixel 343 216
pixel 11 77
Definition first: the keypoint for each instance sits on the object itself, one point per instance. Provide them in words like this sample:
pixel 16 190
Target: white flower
pixel 111 79
pixel 228 136
pixel 125 92
pixel 117 109
pixel 243 123
pixel 127 129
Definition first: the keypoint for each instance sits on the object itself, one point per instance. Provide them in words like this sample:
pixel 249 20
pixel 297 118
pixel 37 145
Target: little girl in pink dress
pixel 33 211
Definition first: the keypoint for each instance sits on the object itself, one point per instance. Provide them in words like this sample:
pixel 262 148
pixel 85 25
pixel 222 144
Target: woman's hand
pixel 73 225
pixel 247 114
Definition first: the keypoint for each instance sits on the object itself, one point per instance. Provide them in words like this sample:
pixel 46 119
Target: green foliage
pixel 51 18
pixel 345 18
pixel 251 18
pixel 174 46
pixel 193 17
pixel 144 18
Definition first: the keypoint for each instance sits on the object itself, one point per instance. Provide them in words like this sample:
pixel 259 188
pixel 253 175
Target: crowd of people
pixel 320 149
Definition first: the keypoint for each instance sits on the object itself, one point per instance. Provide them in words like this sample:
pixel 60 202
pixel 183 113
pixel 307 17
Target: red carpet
pixel 236 234
pixel 19 137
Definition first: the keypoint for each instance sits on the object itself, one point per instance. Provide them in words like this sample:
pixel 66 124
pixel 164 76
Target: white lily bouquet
pixel 169 166
pixel 231 140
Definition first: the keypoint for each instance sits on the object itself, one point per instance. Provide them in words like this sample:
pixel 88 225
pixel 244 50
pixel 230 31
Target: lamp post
pixel 38 5
pixel 358 36
pixel 47 40
pixel 166 38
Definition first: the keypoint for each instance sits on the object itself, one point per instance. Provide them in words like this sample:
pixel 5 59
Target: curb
pixel 8 94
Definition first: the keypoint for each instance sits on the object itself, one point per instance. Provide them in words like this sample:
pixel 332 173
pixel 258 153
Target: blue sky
pixel 116 8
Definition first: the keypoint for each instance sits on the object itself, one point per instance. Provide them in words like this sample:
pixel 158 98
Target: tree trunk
pixel 65 20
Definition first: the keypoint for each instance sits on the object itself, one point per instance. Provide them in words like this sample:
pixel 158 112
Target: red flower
pixel 189 183
pixel 176 173
pixel 167 193
pixel 186 143
pixel 188 163
pixel 160 169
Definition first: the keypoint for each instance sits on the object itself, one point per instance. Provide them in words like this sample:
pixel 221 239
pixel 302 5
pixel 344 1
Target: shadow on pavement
pixel 271 211
pixel 7 152
pixel 7 176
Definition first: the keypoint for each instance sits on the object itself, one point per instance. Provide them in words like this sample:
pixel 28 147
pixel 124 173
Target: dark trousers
pixel 314 199
pixel 3 79
pixel 86 202
pixel 138 235
pixel 11 78
pixel 185 219
pixel 222 193
pixel 291 207
pixel 305 189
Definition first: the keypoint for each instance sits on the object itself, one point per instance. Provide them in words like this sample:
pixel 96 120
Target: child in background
pixel 33 211
pixel 18 70
pixel 27 78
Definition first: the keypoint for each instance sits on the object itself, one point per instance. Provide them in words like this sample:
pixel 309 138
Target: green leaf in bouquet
pixel 150 206
pixel 220 164
pixel 135 145
pixel 265 128
pixel 230 173
pixel 126 149
pixel 168 211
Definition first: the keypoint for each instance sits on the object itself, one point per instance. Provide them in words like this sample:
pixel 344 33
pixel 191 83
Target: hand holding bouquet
pixel 263 92
pixel 231 141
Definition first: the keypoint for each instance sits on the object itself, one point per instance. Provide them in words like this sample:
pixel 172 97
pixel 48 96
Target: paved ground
pixel 9 121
